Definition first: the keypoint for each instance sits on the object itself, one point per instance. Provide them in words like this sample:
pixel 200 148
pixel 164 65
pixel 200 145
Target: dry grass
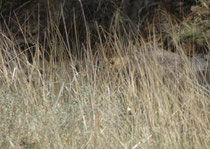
pixel 49 104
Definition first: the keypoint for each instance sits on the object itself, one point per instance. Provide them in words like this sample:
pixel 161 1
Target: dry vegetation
pixel 122 96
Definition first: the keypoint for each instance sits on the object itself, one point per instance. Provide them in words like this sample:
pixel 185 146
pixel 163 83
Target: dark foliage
pixel 89 17
pixel 9 6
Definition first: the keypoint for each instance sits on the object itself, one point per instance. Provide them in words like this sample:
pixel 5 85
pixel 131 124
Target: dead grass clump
pixel 132 95
pixel 65 108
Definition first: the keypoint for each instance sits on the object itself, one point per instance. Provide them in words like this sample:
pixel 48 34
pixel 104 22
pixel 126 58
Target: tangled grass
pixel 49 104
pixel 98 102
